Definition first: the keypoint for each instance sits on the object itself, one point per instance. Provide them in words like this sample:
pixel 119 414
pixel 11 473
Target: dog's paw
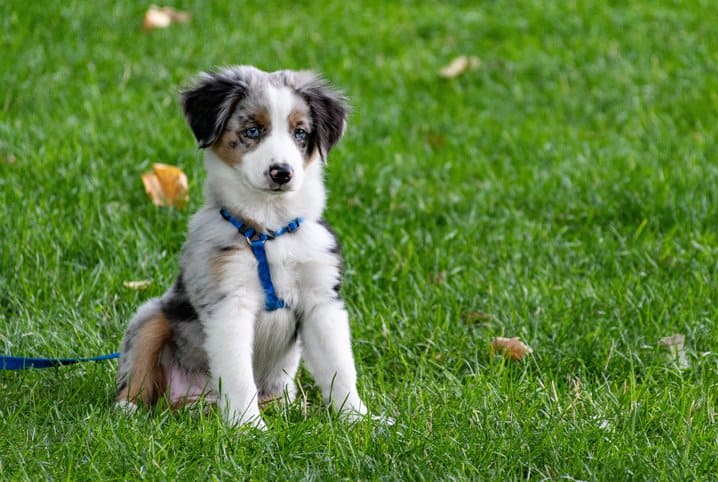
pixel 256 423
pixel 259 424
pixel 126 406
pixel 253 419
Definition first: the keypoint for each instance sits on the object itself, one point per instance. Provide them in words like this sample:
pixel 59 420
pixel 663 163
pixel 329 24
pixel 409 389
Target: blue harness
pixel 256 241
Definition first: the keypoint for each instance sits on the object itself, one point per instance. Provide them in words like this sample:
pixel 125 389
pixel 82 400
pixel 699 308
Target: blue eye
pixel 300 135
pixel 252 133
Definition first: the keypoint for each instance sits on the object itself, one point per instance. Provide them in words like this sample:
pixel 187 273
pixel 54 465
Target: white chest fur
pixel 303 265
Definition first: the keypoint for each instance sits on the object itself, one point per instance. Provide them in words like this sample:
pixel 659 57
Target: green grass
pixel 568 187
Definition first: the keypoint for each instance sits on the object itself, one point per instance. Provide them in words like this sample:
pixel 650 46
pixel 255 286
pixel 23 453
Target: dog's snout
pixel 281 173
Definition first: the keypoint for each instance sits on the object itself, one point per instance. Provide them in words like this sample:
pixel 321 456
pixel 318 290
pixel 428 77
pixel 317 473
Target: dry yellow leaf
pixel 512 348
pixel 163 17
pixel 458 66
pixel 166 186
pixel 137 285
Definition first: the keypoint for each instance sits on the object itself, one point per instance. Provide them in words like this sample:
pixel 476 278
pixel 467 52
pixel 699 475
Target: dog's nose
pixel 281 173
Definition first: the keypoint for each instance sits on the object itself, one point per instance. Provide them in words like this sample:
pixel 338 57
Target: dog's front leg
pixel 328 354
pixel 229 329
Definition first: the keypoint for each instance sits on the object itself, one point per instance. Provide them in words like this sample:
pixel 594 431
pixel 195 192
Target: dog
pixel 258 288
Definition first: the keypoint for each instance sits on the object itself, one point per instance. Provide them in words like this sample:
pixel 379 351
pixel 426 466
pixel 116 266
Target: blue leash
pixel 256 241
pixel 21 363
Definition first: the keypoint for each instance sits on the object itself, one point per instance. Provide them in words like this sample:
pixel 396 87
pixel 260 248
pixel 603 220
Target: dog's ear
pixel 329 109
pixel 209 103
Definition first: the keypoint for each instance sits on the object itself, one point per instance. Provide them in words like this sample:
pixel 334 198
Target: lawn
pixel 565 191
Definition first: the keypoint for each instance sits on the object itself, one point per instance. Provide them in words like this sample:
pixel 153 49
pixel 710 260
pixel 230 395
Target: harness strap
pixel 20 363
pixel 256 241
pixel 271 300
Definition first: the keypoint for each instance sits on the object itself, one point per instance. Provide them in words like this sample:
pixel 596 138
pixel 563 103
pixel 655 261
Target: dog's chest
pixel 303 267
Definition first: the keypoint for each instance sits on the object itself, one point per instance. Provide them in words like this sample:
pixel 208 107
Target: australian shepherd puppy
pixel 222 332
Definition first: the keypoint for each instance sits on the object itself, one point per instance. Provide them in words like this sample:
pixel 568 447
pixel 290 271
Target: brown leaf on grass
pixel 511 348
pixel 459 65
pixel 478 316
pixel 675 344
pixel 166 186
pixel 438 278
pixel 163 17
pixel 435 140
pixel 142 284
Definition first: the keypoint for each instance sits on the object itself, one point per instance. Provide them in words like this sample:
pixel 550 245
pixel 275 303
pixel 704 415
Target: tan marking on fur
pixel 147 382
pixel 219 263
pixel 299 117
pixel 262 117
pixel 313 157
pixel 227 148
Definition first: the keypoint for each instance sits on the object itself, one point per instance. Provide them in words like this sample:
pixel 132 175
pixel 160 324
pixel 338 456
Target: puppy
pixel 260 271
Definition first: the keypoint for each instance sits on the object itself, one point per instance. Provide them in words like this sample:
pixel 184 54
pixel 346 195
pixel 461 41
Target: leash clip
pixel 257 241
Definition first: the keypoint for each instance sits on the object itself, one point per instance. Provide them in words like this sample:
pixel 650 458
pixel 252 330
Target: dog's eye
pixel 300 134
pixel 252 133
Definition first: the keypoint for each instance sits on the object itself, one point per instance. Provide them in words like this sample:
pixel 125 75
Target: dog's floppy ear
pixel 329 109
pixel 209 103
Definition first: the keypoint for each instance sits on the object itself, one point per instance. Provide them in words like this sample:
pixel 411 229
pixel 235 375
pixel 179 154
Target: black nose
pixel 281 173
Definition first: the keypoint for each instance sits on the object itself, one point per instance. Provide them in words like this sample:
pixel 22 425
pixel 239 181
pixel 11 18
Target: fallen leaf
pixel 163 17
pixel 166 186
pixel 137 285
pixel 459 65
pixel 512 348
pixel 478 316
pixel 675 344
pixel 435 140
pixel 438 278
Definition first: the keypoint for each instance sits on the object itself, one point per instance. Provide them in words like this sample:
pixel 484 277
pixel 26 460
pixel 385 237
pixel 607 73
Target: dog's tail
pixel 141 376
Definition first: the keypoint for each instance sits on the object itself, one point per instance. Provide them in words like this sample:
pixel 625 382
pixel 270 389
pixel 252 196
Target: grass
pixel 567 188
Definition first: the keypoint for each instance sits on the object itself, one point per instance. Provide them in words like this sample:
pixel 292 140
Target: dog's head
pixel 267 126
